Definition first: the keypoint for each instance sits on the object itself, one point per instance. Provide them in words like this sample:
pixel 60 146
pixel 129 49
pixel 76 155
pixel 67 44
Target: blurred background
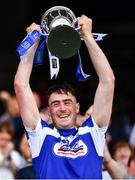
pixel 116 19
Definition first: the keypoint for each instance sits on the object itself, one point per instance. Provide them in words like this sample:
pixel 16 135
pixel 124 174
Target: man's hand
pixel 85 24
pixel 33 27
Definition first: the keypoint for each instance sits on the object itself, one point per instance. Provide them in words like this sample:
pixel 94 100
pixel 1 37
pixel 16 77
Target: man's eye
pixel 68 102
pixel 55 104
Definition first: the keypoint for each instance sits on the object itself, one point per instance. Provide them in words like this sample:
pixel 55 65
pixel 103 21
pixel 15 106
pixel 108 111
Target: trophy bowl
pixel 63 40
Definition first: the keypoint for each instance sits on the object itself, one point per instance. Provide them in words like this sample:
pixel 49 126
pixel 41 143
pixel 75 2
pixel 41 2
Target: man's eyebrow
pixel 57 101
pixel 68 100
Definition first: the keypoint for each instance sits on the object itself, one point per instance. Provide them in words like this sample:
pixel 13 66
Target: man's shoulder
pixel 88 122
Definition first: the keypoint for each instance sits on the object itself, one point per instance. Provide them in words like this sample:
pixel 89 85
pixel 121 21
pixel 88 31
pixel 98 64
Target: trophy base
pixel 63 41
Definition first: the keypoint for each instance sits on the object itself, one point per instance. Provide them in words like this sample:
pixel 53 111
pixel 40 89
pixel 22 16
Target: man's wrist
pixel 88 38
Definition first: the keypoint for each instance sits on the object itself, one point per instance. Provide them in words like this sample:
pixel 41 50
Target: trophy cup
pixel 60 32
pixel 63 41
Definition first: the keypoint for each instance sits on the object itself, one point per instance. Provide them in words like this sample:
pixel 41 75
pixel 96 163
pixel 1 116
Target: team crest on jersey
pixel 72 150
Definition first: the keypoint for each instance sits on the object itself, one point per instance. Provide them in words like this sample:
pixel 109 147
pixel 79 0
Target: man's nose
pixel 62 106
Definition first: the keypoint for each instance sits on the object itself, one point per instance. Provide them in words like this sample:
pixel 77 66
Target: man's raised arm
pixel 27 105
pixel 102 106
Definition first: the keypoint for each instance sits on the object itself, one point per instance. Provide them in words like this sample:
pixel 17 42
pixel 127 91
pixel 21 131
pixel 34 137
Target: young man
pixel 64 151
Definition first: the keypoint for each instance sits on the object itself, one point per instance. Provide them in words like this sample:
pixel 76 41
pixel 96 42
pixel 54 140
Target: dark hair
pixel 64 88
pixel 2 107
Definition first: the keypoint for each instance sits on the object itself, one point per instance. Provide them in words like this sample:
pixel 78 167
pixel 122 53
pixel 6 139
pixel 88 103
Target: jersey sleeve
pixel 97 134
pixel 36 137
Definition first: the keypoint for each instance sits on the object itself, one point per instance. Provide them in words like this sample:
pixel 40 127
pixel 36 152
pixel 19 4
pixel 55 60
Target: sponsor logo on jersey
pixel 72 150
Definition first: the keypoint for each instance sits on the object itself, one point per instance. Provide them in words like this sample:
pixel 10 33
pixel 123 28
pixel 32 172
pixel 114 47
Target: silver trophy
pixel 60 23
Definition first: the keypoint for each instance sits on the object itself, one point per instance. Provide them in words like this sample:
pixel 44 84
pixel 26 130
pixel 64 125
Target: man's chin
pixel 65 125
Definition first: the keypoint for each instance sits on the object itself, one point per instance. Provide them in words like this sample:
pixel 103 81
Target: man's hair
pixel 64 88
pixel 121 144
pixel 8 127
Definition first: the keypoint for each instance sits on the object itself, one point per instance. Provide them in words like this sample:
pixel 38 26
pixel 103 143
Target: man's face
pixel 63 110
pixel 122 155
pixel 5 137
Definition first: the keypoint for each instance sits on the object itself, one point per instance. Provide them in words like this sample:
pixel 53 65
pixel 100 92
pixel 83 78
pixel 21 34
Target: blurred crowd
pixel 15 156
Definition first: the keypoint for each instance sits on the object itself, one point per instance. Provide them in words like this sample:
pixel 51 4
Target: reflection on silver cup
pixel 63 40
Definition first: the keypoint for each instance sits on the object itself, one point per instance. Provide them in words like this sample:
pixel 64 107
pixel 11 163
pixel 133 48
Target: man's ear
pixel 48 110
pixel 77 108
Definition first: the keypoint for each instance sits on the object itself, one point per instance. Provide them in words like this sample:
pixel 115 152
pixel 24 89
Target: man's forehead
pixel 61 96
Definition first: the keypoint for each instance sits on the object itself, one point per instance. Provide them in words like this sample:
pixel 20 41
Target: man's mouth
pixel 63 116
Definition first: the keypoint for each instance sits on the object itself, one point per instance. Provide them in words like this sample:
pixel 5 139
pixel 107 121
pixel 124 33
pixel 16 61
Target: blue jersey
pixel 67 154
